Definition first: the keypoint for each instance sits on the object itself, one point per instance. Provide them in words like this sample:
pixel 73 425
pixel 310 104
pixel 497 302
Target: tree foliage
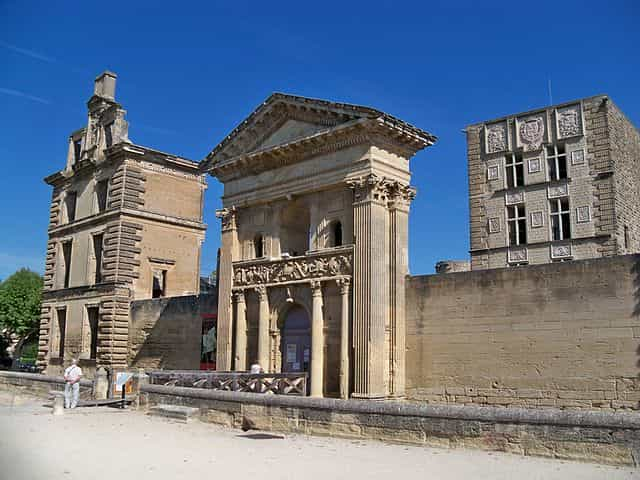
pixel 20 302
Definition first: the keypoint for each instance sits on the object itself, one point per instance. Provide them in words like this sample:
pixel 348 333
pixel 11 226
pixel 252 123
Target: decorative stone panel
pixel 531 132
pixel 494 225
pixel 577 157
pixel 583 214
pixel 493 172
pixel 322 265
pixel 535 165
pixel 496 138
pixel 517 255
pixel 561 251
pixel 557 191
pixel 568 122
pixel 511 198
pixel 537 219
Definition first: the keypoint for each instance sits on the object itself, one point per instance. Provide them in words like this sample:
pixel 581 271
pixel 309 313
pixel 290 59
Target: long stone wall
pixel 603 437
pixel 557 335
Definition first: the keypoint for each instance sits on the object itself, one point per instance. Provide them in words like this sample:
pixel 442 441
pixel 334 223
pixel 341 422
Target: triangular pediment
pixel 285 120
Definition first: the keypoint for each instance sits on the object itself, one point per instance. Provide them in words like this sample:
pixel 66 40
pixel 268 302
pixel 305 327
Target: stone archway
pixel 295 340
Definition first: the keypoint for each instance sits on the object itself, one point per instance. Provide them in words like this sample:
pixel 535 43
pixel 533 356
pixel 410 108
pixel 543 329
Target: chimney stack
pixel 105 85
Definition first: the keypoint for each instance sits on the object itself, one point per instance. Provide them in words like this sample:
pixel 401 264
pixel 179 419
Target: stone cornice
pixel 103 217
pixel 278 107
pixel 356 132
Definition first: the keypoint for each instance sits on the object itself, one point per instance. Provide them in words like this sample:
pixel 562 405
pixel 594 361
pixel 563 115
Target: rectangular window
pixel 66 258
pixel 560 219
pixel 62 327
pixel 514 167
pixel 517 222
pixel 102 188
pixel 159 283
pixel 626 237
pixel 97 251
pixel 77 149
pixel 556 162
pixel 92 317
pixel 70 201
pixel 108 134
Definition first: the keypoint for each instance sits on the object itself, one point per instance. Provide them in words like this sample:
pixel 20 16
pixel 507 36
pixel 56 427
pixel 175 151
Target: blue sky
pixel 189 72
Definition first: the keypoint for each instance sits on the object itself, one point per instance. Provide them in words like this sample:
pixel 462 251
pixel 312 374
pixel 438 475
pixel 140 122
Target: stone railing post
pixel 138 380
pixel 100 384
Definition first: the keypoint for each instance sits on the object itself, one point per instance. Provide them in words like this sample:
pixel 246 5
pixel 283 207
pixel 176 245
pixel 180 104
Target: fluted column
pixel 400 198
pixel 370 288
pixel 241 332
pixel 317 341
pixel 228 252
pixel 344 338
pixel 263 328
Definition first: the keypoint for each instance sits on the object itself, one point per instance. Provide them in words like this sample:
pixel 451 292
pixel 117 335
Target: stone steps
pixel 175 412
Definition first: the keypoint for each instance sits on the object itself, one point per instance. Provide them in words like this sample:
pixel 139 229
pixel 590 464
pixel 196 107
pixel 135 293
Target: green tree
pixel 20 303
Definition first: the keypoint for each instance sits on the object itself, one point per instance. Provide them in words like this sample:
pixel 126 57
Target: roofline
pixel 535 110
pixel 371 112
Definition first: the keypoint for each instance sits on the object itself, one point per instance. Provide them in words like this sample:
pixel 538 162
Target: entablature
pixel 326 264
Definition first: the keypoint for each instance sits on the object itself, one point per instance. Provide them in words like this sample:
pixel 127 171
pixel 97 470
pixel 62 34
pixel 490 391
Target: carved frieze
pixel 561 251
pixel 294 269
pixel 518 255
pixel 373 187
pixel 556 191
pixel 531 132
pixel 512 198
pixel 496 139
pixel 568 122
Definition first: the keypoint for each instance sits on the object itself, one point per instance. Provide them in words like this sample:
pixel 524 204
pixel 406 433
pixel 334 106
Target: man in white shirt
pixel 72 376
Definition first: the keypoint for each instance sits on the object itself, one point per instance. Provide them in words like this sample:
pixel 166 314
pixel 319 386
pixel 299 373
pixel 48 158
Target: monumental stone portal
pixel 314 238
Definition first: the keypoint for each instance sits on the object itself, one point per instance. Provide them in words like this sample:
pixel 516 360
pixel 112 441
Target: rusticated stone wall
pixel 556 335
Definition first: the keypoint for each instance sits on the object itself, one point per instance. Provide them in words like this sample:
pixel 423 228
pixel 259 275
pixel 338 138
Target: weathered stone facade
pixel 315 219
pixel 554 184
pixel 125 224
pixel 554 335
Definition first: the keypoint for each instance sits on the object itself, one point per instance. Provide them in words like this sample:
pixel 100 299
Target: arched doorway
pixel 295 345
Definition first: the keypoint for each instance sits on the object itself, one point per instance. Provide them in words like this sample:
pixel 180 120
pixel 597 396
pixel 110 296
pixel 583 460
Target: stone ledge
pixel 547 416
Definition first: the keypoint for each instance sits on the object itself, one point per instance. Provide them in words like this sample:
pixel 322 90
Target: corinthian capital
pixel 228 218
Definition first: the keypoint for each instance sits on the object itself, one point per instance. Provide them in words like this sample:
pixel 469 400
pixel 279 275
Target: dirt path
pixel 102 443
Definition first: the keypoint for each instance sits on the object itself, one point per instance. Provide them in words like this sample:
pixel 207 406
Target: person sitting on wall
pixel 72 375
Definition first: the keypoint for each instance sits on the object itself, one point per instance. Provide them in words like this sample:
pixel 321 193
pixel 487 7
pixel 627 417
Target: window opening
pixel 514 170
pixel 258 246
pixel 159 283
pixel 517 222
pixel 62 326
pixel 70 202
pixel 101 194
pixel 66 257
pixel 560 219
pixel 556 162
pixel 93 314
pixel 97 250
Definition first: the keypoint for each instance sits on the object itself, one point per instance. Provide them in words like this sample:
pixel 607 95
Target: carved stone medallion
pixel 514 197
pixel 534 165
pixel 496 138
pixel 560 251
pixel 493 173
pixel 531 133
pixel 518 254
pixel 555 191
pixel 569 121
pixel 537 219
pixel 577 157
pixel 494 225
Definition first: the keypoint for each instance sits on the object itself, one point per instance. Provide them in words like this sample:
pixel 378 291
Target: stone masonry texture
pixel 555 335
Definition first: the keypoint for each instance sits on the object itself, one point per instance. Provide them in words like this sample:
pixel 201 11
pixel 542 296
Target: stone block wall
pixel 556 335
pixel 167 332
pixel 624 143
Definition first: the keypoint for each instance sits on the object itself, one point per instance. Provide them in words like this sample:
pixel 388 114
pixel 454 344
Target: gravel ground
pixel 104 443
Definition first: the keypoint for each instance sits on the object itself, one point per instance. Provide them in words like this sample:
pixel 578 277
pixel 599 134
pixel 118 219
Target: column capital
pixel 228 218
pixel 316 287
pixel 344 284
pixel 400 195
pixel 238 296
pixel 261 290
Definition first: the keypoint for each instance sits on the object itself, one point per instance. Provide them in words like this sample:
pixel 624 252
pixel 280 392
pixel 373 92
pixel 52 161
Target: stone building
pixel 314 242
pixel 125 224
pixel 554 184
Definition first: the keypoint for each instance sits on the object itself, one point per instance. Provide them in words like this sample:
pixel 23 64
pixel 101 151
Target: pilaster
pixel 344 284
pixel 263 327
pixel 228 250
pixel 241 332
pixel 317 340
